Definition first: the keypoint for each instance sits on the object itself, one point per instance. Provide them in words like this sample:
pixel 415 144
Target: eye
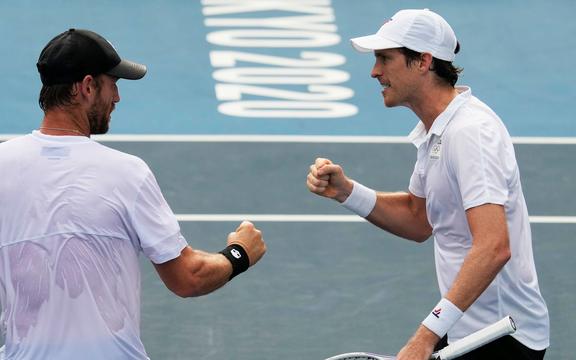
pixel 381 57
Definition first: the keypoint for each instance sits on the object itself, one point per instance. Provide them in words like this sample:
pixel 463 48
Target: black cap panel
pixel 76 53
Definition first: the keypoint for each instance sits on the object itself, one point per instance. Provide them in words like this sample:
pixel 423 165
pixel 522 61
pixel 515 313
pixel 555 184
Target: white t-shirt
pixel 74 217
pixel 467 159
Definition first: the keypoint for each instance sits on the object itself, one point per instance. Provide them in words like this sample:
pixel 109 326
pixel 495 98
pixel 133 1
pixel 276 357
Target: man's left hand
pixel 420 346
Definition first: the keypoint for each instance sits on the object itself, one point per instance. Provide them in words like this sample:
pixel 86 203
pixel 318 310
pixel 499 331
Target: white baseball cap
pixel 420 30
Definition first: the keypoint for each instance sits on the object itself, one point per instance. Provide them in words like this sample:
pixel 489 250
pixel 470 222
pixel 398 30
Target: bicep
pixel 418 209
pixel 488 226
pixel 418 205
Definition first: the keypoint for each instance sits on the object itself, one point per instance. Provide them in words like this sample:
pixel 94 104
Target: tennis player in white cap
pixel 465 192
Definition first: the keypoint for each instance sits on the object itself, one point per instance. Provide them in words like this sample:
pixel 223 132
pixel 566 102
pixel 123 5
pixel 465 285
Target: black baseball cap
pixel 76 53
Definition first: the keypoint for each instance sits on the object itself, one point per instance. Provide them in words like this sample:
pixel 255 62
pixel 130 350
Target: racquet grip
pixel 481 337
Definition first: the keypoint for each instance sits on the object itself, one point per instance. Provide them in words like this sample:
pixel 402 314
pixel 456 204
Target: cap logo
pixel 387 21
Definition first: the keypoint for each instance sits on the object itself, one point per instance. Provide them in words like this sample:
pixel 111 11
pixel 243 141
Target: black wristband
pixel 238 257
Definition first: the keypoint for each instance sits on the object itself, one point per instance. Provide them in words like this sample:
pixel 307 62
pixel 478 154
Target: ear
pixel 425 61
pixel 87 87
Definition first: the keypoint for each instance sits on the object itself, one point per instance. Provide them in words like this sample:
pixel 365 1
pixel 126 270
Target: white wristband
pixel 361 200
pixel 443 317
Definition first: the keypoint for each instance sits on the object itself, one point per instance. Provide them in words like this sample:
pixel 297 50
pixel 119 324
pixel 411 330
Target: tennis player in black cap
pixel 75 216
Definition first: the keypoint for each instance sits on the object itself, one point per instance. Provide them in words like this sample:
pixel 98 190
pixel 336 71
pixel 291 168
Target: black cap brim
pixel 128 70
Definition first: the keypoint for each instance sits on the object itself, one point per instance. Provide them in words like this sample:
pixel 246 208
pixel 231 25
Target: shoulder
pixel 119 161
pixel 476 132
pixel 116 155
pixel 475 118
pixel 16 141
pixel 14 148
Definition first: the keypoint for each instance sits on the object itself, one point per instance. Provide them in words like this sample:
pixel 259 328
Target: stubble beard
pixel 99 119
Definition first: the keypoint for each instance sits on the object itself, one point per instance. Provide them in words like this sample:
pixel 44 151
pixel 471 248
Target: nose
pixel 376 71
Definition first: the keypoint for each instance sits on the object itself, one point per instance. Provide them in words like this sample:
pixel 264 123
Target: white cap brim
pixel 373 42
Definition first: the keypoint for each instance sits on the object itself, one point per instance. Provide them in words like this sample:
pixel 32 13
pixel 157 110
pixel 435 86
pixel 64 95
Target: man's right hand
pixel 328 180
pixel 250 238
pixel 196 272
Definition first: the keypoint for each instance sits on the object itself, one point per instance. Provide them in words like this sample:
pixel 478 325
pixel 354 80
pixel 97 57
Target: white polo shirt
pixel 75 215
pixel 467 159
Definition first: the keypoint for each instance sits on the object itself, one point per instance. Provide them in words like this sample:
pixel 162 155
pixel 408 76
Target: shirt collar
pixel 419 135
pixel 63 139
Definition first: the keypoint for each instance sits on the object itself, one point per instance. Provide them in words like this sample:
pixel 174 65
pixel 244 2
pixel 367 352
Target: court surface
pixel 241 97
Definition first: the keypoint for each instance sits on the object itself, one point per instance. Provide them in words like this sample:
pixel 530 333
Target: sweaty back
pixel 74 217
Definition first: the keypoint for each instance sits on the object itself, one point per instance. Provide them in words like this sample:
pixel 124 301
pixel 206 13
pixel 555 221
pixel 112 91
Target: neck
pixel 61 122
pixel 433 103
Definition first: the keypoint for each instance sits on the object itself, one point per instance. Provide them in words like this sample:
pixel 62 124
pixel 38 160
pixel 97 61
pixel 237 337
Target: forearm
pixel 479 269
pixel 401 214
pixel 199 273
pixel 209 272
pixel 477 272
pixel 196 272
pixel 489 253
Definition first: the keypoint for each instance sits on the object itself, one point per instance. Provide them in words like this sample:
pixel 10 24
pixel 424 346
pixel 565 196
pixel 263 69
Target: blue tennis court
pixel 242 95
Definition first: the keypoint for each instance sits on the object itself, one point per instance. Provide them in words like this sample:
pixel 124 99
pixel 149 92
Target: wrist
pixel 238 258
pixel 342 196
pixel 427 335
pixel 361 199
pixel 442 317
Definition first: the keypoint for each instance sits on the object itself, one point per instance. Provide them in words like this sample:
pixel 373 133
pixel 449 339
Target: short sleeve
pixel 416 187
pixel 155 223
pixel 478 158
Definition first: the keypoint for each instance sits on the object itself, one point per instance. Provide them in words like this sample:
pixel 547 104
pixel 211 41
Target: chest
pixel 439 180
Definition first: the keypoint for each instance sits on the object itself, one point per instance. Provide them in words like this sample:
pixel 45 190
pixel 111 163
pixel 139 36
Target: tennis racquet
pixel 471 342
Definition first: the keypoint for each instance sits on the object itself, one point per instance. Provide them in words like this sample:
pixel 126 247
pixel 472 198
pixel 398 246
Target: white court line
pixel 553 219
pixel 270 218
pixel 328 218
pixel 293 139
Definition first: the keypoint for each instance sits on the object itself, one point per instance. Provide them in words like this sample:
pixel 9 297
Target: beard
pixel 99 119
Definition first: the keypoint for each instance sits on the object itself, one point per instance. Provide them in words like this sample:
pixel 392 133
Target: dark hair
pixel 59 95
pixel 56 95
pixel 444 69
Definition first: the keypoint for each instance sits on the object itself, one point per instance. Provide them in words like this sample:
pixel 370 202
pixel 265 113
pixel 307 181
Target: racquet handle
pixel 473 341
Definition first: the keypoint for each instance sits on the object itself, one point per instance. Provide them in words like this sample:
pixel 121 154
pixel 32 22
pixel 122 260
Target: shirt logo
pixel 55 152
pixel 436 150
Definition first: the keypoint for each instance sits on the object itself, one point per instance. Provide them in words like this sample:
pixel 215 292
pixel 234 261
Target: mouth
pixel 385 86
